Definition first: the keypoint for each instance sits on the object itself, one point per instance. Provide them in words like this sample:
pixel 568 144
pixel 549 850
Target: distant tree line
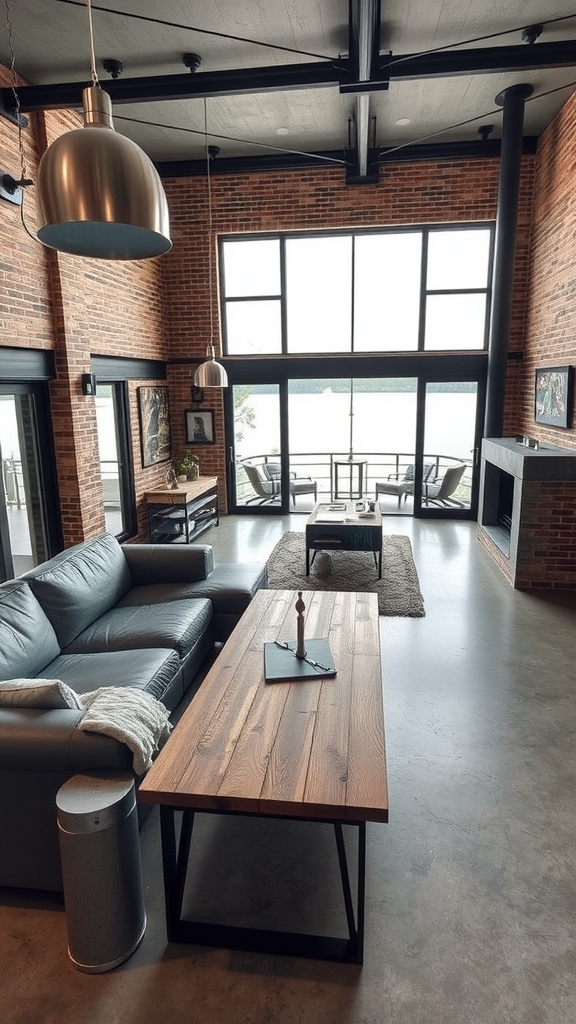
pixel 340 385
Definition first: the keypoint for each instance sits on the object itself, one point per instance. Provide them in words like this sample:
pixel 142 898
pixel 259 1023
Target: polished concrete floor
pixel 471 901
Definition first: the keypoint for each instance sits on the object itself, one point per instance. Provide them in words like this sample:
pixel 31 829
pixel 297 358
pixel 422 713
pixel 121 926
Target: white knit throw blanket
pixel 129 715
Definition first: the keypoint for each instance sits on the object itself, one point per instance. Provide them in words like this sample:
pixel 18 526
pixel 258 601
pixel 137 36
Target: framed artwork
pixel 199 425
pixel 155 434
pixel 197 394
pixel 553 395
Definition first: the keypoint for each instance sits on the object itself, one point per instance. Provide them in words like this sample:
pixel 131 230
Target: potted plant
pixel 187 467
pixel 182 466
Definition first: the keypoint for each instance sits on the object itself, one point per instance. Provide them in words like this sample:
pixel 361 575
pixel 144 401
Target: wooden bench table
pixel 311 749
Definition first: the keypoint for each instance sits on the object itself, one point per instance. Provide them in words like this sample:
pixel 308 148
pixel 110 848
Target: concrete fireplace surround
pixel 539 549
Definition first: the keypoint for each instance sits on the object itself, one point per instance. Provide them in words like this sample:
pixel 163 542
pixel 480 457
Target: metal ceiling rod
pixel 474 149
pixel 320 74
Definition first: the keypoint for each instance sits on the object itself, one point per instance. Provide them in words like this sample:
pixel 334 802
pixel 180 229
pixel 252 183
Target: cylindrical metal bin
pixel 101 869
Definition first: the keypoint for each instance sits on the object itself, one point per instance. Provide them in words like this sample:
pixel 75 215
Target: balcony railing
pixel 13 482
pixel 379 465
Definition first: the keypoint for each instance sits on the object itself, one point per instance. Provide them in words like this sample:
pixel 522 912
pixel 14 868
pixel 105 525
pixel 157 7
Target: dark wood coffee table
pixel 311 750
pixel 338 525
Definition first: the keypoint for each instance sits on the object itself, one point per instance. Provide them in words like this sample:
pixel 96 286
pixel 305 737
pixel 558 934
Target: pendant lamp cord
pixel 93 72
pixel 210 294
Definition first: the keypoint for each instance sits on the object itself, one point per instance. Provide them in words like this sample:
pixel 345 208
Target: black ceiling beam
pixel 178 87
pixel 303 161
pixel 318 74
pixel 364 56
pixel 483 61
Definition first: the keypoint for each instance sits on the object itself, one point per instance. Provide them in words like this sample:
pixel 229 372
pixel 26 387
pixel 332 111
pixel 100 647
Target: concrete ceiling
pixel 282 76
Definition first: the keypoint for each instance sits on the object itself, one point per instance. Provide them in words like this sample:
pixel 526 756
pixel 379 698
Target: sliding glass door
pixel 256 471
pixel 411 446
pixel 348 435
pixel 29 524
pixel 450 446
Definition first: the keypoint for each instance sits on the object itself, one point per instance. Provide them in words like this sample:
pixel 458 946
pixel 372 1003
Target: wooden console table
pixel 179 516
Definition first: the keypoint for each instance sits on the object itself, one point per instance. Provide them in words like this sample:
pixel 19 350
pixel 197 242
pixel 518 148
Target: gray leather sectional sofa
pixel 98 614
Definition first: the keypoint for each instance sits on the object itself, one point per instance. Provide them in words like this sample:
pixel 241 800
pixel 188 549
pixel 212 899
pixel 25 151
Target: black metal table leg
pixel 320 947
pixel 174 865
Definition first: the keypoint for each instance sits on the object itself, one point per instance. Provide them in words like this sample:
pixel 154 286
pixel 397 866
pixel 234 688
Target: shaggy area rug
pixel 398 590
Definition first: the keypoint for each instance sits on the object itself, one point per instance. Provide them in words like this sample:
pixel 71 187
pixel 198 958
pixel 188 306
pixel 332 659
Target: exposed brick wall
pixel 25 302
pixel 546 555
pixel 551 314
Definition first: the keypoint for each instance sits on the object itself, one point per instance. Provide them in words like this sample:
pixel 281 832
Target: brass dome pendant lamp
pixel 210 374
pixel 97 193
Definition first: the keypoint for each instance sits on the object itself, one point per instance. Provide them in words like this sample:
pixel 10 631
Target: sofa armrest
pixel 167 563
pixel 50 740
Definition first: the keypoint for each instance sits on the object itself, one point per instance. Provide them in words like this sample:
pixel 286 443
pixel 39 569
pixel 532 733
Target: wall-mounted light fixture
pixel 97 193
pixel 11 189
pixel 89 384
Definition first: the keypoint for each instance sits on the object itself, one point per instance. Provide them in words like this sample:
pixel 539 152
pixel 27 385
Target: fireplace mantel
pixel 548 462
pixel 539 549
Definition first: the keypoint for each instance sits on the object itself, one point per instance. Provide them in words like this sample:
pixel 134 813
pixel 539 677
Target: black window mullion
pixel 353 295
pixel 283 297
pixel 423 275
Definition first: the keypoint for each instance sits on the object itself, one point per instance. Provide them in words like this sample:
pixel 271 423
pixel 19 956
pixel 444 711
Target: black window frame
pixel 425 229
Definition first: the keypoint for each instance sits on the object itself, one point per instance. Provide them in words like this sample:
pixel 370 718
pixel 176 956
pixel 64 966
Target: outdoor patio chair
pixel 402 485
pixel 266 484
pixel 298 484
pixel 440 491
pixel 265 478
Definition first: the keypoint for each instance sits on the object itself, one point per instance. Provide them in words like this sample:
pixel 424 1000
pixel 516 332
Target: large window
pixel 416 289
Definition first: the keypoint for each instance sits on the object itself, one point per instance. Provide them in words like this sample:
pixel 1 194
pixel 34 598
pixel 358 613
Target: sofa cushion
pixel 152 670
pixel 47 694
pixel 230 587
pixel 80 584
pixel 176 624
pixel 27 639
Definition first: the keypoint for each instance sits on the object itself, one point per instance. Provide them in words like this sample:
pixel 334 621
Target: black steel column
pixel 512 100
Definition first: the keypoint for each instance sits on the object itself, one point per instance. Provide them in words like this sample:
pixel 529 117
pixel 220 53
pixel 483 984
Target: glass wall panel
pixel 458 259
pixel 24 540
pixel 319 294
pixel 253 328
pixel 109 458
pixel 449 444
pixel 387 283
pixel 456 321
pixel 251 267
pixel 257 444
pixel 371 420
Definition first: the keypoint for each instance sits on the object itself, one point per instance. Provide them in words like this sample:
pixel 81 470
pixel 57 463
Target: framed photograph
pixel 155 434
pixel 199 426
pixel 553 395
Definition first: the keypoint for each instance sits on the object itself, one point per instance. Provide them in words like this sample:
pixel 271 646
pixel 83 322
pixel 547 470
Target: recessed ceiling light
pixel 282 131
pixel 403 121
